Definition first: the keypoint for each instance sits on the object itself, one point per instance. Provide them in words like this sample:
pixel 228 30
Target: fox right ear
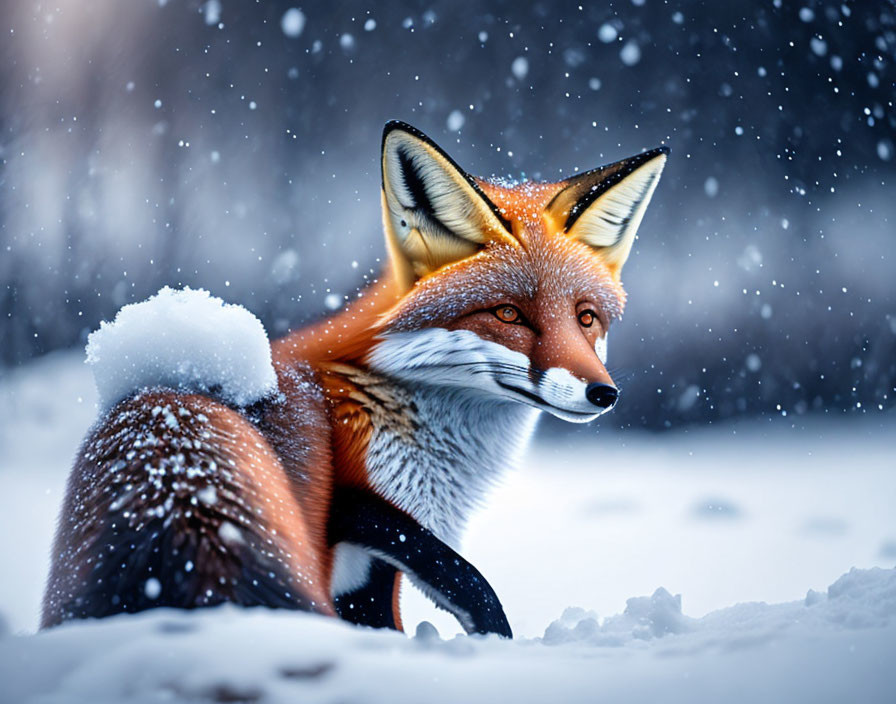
pixel 604 207
pixel 433 212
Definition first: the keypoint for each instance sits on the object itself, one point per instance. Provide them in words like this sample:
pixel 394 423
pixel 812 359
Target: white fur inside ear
pixel 600 348
pixel 613 219
pixel 410 164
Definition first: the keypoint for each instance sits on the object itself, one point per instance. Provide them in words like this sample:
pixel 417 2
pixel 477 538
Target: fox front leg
pixel 362 519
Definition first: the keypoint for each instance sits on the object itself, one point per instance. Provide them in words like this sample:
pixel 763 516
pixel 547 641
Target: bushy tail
pixel 177 500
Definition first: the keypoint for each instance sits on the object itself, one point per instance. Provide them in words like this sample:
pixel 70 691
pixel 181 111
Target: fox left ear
pixel 433 212
pixel 604 207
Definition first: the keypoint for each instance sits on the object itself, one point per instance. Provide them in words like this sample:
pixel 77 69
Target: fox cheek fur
pixel 393 417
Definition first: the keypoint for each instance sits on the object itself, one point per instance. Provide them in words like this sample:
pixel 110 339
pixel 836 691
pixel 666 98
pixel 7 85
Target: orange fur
pixel 396 603
pixel 248 485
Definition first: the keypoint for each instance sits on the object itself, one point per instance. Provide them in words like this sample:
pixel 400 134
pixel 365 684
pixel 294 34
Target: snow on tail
pixel 187 340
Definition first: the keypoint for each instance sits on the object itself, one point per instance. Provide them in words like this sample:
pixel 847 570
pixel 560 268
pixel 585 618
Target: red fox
pixel 391 418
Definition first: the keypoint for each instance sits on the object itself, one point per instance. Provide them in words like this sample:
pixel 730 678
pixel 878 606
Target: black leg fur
pixel 361 518
pixel 371 605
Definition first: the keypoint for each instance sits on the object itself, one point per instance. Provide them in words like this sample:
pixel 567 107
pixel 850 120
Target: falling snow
pixel 455 120
pixel 607 33
pixel 238 151
pixel 630 54
pixel 212 12
pixel 293 22
pixel 788 108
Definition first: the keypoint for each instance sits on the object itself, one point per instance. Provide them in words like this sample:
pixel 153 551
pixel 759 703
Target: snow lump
pixel 187 340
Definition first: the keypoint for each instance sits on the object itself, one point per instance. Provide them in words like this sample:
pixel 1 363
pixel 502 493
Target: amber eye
pixel 587 318
pixel 507 314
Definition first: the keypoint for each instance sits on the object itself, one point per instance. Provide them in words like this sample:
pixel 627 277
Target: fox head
pixel 509 289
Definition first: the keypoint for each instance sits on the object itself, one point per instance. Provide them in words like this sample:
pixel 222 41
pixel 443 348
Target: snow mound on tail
pixel 187 340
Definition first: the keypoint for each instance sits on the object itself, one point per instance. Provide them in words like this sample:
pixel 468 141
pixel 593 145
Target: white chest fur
pixel 438 456
pixel 435 452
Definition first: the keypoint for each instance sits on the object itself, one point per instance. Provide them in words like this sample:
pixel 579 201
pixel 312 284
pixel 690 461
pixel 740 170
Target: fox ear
pixel 433 212
pixel 604 207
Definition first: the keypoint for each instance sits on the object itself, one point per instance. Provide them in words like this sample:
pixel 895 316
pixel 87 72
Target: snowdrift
pixel 836 646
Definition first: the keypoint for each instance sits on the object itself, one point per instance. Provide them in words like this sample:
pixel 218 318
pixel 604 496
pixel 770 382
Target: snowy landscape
pixel 726 534
pixel 692 566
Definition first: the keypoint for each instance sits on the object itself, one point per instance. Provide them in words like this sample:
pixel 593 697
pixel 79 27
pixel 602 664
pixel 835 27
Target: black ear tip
pixel 662 150
pixel 397 125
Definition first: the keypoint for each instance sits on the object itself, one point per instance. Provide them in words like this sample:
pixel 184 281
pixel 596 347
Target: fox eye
pixel 508 314
pixel 587 318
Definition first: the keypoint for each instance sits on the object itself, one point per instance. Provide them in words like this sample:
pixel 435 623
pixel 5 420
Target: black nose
pixel 602 395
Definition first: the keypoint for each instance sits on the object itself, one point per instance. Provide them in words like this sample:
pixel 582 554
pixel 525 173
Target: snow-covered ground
pixel 834 650
pixel 761 511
